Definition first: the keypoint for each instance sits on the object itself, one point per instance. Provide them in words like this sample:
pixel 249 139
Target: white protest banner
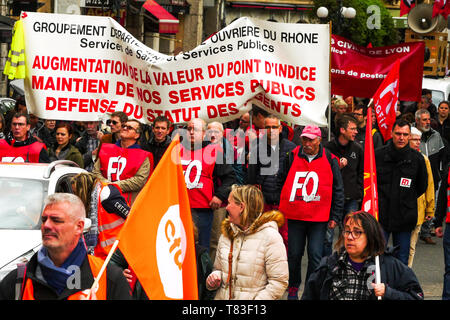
pixel 83 67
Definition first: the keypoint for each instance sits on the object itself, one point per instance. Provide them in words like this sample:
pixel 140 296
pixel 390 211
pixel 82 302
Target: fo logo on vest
pixel 170 252
pixel 116 165
pixel 190 164
pixel 306 177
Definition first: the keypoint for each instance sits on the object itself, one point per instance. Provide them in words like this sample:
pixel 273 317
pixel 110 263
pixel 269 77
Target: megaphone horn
pixel 420 21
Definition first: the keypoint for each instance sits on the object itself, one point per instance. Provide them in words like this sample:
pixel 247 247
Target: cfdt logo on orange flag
pixel 157 238
pixel 385 101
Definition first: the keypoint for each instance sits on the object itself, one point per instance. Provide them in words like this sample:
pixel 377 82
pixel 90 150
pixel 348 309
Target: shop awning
pixel 167 22
pixel 295 5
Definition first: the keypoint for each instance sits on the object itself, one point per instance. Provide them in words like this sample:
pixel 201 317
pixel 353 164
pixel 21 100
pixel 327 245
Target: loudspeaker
pixel 436 57
pixel 420 21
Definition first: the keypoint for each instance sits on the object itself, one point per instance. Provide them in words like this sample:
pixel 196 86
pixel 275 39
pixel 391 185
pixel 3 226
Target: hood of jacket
pixel 269 219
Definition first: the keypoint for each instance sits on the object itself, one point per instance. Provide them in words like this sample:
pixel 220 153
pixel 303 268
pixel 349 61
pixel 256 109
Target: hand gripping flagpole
pixel 97 279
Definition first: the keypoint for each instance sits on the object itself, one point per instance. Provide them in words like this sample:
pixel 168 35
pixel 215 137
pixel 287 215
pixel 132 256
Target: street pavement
pixel 428 265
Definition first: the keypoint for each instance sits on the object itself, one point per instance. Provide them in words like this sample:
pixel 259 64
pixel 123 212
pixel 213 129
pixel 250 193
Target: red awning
pixel 167 22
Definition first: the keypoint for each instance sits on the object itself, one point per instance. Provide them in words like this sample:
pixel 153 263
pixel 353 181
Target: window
pixel 22 205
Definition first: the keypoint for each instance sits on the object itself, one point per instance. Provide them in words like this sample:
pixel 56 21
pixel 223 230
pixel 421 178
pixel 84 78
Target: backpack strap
pixel 329 155
pixel 20 281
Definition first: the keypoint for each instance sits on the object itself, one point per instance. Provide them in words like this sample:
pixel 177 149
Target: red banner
pixel 358 71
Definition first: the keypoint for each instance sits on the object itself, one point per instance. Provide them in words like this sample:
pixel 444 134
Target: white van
pixel 440 88
pixel 23 187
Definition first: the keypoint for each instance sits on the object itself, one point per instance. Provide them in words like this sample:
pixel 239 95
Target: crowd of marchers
pixel 261 192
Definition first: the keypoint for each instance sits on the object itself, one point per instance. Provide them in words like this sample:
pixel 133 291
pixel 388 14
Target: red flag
pixel 441 7
pixel 157 238
pixel 385 101
pixel 370 200
pixel 406 6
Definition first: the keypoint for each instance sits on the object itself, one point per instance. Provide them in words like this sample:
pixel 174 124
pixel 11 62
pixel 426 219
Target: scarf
pixel 57 277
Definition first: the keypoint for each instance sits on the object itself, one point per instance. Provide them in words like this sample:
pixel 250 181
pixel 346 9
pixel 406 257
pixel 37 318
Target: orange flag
pixel 157 238
pixel 370 200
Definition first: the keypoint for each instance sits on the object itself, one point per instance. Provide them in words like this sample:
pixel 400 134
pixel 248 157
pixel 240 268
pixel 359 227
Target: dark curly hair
pixel 372 228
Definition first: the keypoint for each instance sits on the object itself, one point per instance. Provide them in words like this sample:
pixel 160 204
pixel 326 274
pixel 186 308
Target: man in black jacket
pixel 443 215
pixel 360 114
pixel 159 140
pixel 89 142
pixel 62 269
pixel 266 154
pixel 351 163
pixel 401 178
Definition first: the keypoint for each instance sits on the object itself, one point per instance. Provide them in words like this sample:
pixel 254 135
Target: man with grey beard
pixel 431 144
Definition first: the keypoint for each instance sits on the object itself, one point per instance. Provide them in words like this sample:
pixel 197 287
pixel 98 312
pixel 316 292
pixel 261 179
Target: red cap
pixel 311 132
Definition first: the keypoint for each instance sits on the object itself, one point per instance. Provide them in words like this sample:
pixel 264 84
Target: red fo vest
pixel 95 264
pixel 198 168
pixel 29 153
pixel 117 164
pixel 447 218
pixel 109 226
pixel 307 192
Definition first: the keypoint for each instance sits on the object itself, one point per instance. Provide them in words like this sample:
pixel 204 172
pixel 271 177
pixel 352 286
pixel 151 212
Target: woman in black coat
pixel 348 274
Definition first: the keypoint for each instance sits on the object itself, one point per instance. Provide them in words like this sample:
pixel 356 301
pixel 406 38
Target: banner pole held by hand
pixel 97 279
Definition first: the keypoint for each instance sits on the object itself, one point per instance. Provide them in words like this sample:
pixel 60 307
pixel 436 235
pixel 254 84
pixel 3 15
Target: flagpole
pixel 372 189
pixel 97 279
pixel 329 86
pixel 377 272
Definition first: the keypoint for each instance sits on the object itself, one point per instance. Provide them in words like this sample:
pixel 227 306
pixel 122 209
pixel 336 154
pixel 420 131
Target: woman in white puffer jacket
pixel 251 261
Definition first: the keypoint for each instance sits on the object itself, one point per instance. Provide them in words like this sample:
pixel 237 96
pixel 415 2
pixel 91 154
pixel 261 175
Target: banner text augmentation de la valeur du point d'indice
pixel 97 67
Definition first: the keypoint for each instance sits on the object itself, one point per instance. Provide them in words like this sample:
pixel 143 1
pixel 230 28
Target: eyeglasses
pixel 355 233
pixel 18 124
pixel 109 122
pixel 127 127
